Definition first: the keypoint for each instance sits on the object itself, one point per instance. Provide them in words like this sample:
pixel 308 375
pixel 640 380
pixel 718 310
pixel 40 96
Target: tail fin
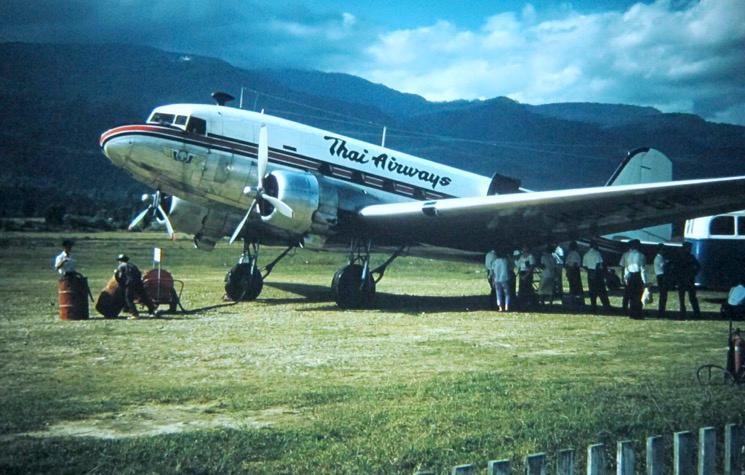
pixel 644 165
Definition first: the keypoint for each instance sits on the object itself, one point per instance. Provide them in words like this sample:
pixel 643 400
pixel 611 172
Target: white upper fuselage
pixel 212 160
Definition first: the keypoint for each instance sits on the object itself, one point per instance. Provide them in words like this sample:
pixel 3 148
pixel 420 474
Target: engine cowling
pixel 207 225
pixel 314 205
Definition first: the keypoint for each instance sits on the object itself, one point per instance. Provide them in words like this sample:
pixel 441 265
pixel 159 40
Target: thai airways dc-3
pixel 222 172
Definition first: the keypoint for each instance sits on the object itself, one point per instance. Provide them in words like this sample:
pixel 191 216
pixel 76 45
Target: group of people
pixel 127 275
pixel 674 269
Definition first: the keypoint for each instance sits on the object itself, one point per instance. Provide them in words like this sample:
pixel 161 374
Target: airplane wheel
pixel 349 292
pixel 240 284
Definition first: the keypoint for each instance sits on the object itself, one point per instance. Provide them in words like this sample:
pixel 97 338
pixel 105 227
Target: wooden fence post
pixel 535 464
pixel 596 459
pixel 684 458
pixel 565 462
pixel 707 451
pixel 625 459
pixel 498 467
pixel 733 440
pixel 655 457
pixel 465 469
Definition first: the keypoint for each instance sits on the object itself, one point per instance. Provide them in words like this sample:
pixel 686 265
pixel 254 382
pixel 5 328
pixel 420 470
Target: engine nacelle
pixel 207 225
pixel 314 205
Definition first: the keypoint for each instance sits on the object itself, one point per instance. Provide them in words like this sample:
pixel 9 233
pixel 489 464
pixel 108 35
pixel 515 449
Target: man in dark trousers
pixel 662 270
pixel 129 278
pixel 686 267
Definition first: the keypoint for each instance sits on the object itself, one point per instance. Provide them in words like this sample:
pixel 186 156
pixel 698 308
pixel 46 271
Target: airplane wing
pixel 533 219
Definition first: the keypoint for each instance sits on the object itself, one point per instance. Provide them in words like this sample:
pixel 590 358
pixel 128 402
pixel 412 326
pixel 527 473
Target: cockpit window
pixel 196 126
pixel 161 118
pixel 180 120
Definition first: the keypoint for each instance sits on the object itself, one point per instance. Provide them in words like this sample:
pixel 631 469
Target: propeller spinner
pixel 154 210
pixel 257 191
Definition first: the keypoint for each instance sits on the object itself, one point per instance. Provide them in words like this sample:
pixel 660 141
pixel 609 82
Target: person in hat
pixel 129 278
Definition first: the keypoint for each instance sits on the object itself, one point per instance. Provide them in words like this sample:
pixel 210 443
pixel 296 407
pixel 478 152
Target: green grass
pixel 291 384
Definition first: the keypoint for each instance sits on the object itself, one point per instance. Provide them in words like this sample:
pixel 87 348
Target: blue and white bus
pixel 719 245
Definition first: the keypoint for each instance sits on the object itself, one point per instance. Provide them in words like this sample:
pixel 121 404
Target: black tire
pixel 349 291
pixel 241 284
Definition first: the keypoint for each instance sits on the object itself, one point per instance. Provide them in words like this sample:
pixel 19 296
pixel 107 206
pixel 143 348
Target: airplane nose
pixel 117 150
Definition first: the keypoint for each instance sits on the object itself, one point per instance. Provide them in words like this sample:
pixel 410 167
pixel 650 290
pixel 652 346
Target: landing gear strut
pixel 353 285
pixel 244 281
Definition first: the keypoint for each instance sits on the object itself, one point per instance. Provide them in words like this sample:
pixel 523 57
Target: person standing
pixel 488 261
pixel 633 263
pixel 129 278
pixel 548 276
pixel 573 263
pixel 525 264
pixel 500 271
pixel 686 268
pixel 64 263
pixel 558 255
pixel 595 267
pixel 661 268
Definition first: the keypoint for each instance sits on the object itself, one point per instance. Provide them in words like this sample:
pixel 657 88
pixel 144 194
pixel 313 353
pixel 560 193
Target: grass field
pixel 292 384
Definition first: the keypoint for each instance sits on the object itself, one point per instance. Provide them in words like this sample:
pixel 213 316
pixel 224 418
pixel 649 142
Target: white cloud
pixel 680 59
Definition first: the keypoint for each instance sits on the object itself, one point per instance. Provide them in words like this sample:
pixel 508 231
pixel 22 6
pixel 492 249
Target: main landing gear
pixel 353 285
pixel 245 280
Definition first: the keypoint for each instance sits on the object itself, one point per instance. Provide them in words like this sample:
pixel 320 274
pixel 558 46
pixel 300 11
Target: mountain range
pixel 58 98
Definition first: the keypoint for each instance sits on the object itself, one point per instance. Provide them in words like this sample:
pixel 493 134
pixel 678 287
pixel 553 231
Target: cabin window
pixel 161 118
pixel 722 226
pixel 197 126
pixel 741 225
pixel 180 120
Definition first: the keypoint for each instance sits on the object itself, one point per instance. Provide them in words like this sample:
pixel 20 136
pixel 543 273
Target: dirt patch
pixel 151 420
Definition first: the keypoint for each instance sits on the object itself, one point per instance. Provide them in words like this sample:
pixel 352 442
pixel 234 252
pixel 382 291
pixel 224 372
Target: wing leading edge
pixel 477 224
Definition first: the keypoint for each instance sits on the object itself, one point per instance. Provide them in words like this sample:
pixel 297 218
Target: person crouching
pixel 129 278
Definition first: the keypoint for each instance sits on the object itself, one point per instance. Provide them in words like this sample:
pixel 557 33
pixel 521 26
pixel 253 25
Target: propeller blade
pixel 138 218
pixel 167 222
pixel 239 228
pixel 280 205
pixel 263 154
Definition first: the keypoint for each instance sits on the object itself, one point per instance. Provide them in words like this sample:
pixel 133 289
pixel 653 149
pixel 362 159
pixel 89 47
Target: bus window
pixel 741 225
pixel 722 226
pixel 196 126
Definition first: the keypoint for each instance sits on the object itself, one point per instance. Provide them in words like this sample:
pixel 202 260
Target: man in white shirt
pixel 593 264
pixel 633 262
pixel 525 264
pixel 734 307
pixel 64 263
pixel 661 264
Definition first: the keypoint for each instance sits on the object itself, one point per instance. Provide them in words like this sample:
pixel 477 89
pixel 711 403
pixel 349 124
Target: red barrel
pixel 111 300
pixel 158 285
pixel 73 299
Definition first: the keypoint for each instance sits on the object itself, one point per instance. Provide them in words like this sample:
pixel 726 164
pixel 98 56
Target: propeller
pixel 258 191
pixel 154 208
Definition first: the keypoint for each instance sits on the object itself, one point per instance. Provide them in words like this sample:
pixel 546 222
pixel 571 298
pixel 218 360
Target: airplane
pixel 221 171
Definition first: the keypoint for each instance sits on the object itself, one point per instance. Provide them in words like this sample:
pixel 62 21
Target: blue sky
pixel 676 55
